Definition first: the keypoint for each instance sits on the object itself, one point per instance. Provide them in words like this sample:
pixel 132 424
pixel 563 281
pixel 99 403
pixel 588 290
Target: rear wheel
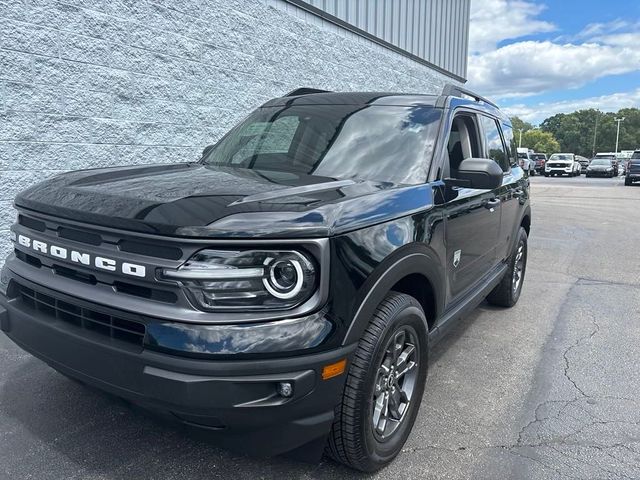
pixel 627 182
pixel 507 292
pixel 384 386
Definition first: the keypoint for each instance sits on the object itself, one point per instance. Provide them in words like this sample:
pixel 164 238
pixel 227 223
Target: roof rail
pixel 305 91
pixel 458 91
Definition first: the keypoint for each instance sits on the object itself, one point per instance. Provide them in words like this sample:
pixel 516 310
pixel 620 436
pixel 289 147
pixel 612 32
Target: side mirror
pixel 206 150
pixel 480 173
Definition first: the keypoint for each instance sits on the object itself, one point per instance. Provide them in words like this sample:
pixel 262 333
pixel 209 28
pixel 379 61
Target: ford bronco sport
pixel 283 292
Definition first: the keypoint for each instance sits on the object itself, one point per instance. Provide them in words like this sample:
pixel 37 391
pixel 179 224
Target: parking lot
pixel 548 389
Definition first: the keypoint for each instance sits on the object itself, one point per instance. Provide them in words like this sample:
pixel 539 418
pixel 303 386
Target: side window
pixel 463 142
pixel 507 132
pixel 495 146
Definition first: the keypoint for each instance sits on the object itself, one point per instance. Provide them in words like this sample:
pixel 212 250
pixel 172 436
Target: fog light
pixel 285 389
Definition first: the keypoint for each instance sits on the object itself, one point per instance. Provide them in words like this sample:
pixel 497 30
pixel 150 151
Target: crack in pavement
pixel 578 343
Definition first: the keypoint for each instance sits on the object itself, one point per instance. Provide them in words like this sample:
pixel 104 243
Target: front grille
pixel 87 320
pixel 558 165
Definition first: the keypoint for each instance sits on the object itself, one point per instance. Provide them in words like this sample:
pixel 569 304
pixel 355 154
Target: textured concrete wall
pixel 94 83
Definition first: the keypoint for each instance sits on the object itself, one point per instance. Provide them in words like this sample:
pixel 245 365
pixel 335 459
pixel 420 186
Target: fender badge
pixel 456 258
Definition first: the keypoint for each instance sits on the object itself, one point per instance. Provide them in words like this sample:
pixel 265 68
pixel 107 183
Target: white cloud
pixel 606 103
pixel 530 67
pixel 493 21
pixel 606 28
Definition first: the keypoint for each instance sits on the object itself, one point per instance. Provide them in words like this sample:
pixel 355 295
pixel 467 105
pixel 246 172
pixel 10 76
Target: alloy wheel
pixel 395 383
pixel 518 267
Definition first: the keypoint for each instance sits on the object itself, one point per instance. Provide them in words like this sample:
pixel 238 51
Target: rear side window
pixel 496 149
pixel 510 142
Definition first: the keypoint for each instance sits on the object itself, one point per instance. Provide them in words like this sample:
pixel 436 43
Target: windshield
pixel 560 156
pixel 601 161
pixel 522 155
pixel 381 143
pixel 636 154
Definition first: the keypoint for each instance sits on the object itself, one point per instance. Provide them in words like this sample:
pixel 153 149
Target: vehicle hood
pixel 564 162
pixel 196 200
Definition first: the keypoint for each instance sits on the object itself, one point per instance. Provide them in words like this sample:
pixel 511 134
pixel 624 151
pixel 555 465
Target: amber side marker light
pixel 334 369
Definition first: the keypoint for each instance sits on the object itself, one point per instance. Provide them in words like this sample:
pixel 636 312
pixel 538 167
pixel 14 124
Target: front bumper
pixel 235 401
pixel 600 173
pixel 558 171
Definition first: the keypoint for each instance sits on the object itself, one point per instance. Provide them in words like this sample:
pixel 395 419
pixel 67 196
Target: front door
pixel 472 216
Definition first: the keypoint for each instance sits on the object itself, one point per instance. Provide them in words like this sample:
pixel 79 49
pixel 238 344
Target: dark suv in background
pixel 540 159
pixel 284 291
pixel 633 169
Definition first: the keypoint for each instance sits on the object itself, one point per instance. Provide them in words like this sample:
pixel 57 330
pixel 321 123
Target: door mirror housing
pixel 480 173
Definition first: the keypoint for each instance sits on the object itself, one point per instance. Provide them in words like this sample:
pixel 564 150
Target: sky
pixel 539 58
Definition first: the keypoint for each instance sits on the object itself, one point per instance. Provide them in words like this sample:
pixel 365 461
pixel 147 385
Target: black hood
pixel 197 200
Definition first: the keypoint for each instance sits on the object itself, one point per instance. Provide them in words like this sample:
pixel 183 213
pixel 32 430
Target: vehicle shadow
pixel 63 429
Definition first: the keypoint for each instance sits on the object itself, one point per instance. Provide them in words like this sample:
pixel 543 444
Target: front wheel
pixel 507 292
pixel 384 386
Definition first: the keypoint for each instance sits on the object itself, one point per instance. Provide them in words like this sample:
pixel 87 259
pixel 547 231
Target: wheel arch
pixel 414 270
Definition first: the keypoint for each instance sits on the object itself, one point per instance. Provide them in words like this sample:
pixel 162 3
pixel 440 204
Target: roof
pixel 354 98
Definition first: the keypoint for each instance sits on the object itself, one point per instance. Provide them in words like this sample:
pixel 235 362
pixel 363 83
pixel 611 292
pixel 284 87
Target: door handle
pixel 494 202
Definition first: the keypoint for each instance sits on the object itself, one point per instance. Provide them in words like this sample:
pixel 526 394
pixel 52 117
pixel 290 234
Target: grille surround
pixel 88 321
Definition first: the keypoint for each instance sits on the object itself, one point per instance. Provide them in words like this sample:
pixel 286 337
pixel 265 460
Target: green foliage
pixel 539 141
pixel 575 131
pixel 519 124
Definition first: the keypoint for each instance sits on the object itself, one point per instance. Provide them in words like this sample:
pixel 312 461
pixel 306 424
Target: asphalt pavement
pixel 548 389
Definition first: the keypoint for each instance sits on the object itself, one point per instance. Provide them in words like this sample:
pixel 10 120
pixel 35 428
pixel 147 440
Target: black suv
pixel 632 173
pixel 283 292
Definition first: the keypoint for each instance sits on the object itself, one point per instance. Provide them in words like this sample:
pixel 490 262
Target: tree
pixel 577 131
pixel 519 124
pixel 539 141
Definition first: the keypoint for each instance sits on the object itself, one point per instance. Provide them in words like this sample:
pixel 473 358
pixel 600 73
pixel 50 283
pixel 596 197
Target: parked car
pixel 540 159
pixel 622 168
pixel 633 169
pixel 238 293
pixel 610 156
pixel 601 167
pixel 526 161
pixel 562 164
pixel 584 163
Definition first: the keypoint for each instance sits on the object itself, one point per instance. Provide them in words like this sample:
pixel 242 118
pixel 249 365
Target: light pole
pixel 520 140
pixel 619 120
pixel 595 136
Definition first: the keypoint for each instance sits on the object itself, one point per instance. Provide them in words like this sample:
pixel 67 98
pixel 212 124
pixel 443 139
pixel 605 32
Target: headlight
pixel 250 280
pixel 609 169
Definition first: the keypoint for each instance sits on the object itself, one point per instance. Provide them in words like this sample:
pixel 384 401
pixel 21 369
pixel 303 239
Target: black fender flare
pixel 525 213
pixel 407 260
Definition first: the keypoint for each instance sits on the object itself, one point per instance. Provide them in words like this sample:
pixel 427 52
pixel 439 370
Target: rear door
pixel 498 140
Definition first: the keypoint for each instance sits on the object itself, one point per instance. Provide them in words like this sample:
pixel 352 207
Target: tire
pixel 546 174
pixel 353 440
pixel 627 182
pixel 507 293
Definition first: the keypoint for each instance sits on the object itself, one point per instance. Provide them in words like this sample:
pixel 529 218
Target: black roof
pixel 354 98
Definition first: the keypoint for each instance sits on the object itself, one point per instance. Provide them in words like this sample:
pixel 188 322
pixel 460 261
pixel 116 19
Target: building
pixel 96 83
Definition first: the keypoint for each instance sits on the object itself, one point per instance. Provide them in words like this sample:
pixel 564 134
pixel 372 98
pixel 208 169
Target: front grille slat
pixel 85 319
